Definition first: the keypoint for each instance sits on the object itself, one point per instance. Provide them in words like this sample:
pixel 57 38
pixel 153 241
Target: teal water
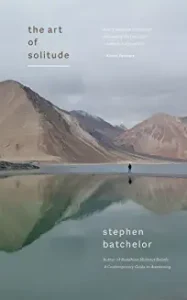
pixel 51 237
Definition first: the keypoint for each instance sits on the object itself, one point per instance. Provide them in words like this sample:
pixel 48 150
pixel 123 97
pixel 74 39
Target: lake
pixel 53 241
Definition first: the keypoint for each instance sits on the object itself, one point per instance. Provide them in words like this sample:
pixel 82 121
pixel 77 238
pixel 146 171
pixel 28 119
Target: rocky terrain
pixel 5 166
pixel 161 135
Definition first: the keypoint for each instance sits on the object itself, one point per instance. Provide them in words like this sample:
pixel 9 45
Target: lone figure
pixel 129 168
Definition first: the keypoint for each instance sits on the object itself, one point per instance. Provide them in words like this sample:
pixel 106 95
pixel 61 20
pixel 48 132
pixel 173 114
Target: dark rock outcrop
pixel 5 166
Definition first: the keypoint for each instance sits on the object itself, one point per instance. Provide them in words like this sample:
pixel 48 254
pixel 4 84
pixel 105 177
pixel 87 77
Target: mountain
pixel 184 119
pixel 101 130
pixel 121 126
pixel 32 128
pixel 161 135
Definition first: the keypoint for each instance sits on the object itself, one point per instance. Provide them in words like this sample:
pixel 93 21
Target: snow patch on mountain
pixel 86 114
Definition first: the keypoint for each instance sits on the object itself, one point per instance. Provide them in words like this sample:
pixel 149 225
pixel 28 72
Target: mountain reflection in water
pixel 32 205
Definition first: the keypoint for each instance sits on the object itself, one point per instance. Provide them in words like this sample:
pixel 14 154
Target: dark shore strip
pixel 9 166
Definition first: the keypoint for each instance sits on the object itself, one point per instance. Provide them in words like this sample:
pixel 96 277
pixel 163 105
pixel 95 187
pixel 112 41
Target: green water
pixel 51 237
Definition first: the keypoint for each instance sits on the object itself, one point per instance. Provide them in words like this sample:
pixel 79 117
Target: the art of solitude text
pixel 45 54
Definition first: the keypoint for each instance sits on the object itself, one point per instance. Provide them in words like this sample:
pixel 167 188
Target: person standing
pixel 129 167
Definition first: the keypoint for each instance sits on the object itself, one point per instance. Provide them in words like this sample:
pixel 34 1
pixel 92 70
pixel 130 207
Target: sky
pixel 120 90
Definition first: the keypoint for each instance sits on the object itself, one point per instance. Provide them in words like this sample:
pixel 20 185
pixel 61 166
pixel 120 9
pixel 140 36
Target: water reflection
pixel 32 205
pixel 129 180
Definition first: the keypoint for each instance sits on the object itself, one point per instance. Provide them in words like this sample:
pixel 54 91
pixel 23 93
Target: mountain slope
pixel 32 128
pixel 90 123
pixel 102 131
pixel 161 135
pixel 184 119
pixel 121 127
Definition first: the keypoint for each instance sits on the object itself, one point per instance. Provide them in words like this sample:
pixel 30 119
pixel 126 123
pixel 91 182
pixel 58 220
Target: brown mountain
pixel 101 130
pixel 104 132
pixel 91 122
pixel 161 135
pixel 32 128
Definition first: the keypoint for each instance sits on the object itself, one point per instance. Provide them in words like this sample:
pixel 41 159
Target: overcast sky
pixel 124 90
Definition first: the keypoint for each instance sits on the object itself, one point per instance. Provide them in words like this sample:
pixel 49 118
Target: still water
pixel 51 237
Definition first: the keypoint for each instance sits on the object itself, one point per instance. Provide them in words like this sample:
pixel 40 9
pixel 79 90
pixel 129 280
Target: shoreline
pixel 39 166
pixel 125 174
pixel 109 163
